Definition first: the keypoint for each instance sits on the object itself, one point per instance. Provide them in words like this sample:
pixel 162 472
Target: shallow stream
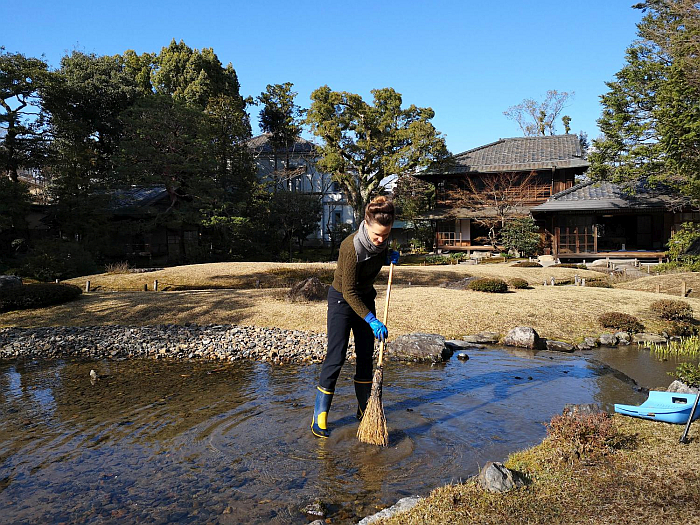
pixel 195 442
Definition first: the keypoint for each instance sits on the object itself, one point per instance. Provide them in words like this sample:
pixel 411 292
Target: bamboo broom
pixel 372 428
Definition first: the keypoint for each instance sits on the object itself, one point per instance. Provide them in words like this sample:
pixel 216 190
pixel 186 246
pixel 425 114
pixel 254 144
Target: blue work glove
pixel 392 257
pixel 380 331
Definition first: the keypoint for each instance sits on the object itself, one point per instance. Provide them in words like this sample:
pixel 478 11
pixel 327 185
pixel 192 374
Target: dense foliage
pixel 520 235
pixel 526 264
pixel 689 374
pixel 651 112
pixel 363 143
pixel 682 241
pixel 37 296
pixel 580 437
pixel 488 285
pixel 620 321
pixel 672 310
pixel 518 283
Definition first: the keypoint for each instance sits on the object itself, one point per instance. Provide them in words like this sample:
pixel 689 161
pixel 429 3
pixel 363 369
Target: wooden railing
pixel 451 240
pixel 576 240
pixel 529 196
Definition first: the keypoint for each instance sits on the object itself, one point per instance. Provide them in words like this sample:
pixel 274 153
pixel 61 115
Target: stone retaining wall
pixel 226 342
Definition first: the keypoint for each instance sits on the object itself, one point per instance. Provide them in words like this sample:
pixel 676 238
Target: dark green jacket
pixel 354 279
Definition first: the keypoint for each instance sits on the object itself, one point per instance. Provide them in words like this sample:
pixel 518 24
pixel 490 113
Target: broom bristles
pixel 372 428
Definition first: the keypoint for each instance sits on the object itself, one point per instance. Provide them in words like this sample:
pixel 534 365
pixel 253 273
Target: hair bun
pixel 381 210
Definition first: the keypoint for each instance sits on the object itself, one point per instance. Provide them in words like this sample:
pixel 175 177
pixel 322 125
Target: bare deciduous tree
pixel 538 118
pixel 498 196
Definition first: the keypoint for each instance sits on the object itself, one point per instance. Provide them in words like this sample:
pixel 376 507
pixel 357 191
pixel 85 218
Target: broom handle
pixel 386 313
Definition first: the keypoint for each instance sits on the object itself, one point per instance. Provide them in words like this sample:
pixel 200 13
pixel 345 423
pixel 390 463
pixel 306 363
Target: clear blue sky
pixel 468 60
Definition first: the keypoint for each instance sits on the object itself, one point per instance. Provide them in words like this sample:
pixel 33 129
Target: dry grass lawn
pixel 275 275
pixel 654 481
pixel 669 283
pixel 563 312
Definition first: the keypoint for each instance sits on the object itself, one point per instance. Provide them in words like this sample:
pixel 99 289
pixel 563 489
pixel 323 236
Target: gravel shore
pixel 189 341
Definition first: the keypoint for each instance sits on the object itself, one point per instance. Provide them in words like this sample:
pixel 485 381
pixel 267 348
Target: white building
pixel 302 176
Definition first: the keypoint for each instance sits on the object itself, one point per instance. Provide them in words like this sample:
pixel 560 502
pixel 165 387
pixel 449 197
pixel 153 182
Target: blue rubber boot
pixel 362 391
pixel 321 409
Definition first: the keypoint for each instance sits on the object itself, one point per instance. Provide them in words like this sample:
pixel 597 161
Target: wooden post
pixel 658 288
pixel 585 239
pixel 155 285
pixel 583 281
pixel 56 281
pixel 683 288
pixel 648 268
pixel 595 239
pixel 87 286
pixel 145 287
pixel 578 248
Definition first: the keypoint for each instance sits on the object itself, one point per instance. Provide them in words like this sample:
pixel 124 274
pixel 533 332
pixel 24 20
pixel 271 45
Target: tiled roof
pixel 592 195
pixel 262 144
pixel 136 197
pixel 518 154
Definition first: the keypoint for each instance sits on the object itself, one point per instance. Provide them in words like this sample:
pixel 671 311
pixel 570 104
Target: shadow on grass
pixel 132 308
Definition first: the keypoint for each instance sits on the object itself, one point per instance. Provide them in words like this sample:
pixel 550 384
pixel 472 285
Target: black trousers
pixel 341 319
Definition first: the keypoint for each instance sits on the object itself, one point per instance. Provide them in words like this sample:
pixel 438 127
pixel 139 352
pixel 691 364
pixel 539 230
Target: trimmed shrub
pixel 671 310
pixel 621 322
pixel 518 283
pixel 526 264
pixel 437 259
pixel 488 285
pixel 581 436
pixel 37 296
pixel 681 328
pixel 569 265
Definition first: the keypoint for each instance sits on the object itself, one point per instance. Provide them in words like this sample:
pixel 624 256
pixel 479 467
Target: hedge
pixel 488 285
pixel 37 296
pixel 620 321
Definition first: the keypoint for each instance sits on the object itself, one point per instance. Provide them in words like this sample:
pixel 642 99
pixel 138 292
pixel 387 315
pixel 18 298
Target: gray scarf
pixel 364 247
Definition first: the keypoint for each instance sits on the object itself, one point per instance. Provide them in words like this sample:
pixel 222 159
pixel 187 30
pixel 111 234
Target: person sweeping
pixel 351 307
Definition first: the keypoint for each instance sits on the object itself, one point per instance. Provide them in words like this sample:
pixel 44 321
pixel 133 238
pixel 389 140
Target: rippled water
pixel 158 441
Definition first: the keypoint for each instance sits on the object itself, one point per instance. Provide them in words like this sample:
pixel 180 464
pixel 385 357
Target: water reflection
pixel 199 441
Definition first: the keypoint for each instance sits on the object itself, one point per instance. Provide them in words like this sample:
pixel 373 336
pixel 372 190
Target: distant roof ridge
pixel 480 147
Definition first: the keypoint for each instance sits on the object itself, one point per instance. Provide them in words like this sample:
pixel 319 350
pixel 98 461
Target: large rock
pixel 524 337
pixel 623 338
pixel 607 340
pixel 7 282
pixel 310 289
pixel 560 346
pixel 495 477
pixel 421 348
pixel 679 387
pixel 648 338
pixel 456 344
pixel 482 338
pixel 402 505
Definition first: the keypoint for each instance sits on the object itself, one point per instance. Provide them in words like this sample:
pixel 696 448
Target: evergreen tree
pixel 21 143
pixel 364 143
pixel 651 116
